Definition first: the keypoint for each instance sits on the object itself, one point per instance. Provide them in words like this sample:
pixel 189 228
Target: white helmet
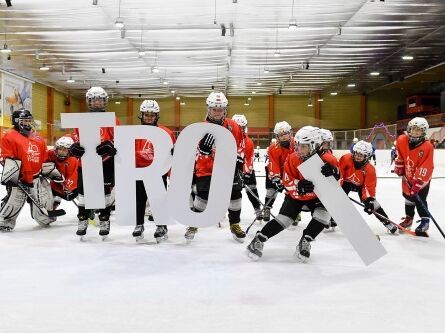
pixel 311 136
pixel 364 148
pixel 282 127
pixel 257 147
pixel 326 135
pixel 355 140
pixel 217 100
pixel 95 93
pixel 240 119
pixel 418 122
pixel 63 142
pixel 149 105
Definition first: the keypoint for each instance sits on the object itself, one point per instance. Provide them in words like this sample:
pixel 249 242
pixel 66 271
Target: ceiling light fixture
pixel 70 80
pixel 334 93
pixel 266 69
pixel 277 50
pixel 320 99
pixel 119 22
pixel 293 20
pixel 155 69
pixel 254 92
pixel 165 82
pixel 44 68
pixel 407 57
pixel 339 30
pixel 351 85
pixel 117 102
pixel 375 73
pixel 122 33
pixel 5 49
pixel 246 104
pixel 172 91
pixel 178 98
pixel 182 103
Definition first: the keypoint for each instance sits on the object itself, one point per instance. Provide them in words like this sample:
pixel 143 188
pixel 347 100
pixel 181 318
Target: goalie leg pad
pixel 42 192
pixel 11 206
pixel 11 171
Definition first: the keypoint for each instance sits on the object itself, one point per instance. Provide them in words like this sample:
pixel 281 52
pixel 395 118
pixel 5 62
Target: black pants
pixel 141 200
pixel 410 208
pixel 252 183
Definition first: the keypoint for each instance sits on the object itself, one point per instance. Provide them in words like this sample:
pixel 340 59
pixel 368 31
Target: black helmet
pixel 22 121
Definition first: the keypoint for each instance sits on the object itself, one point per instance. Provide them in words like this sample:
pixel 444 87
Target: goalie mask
pixel 416 130
pixel 62 147
pixel 96 99
pixel 283 133
pixel 362 152
pixel 308 141
pixel 216 108
pixel 149 112
pixel 23 121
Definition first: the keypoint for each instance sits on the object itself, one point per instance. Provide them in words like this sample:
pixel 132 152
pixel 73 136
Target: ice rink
pixel 52 282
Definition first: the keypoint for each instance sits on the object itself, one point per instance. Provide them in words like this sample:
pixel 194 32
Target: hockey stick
pixel 43 210
pixel 264 206
pixel 422 203
pixel 413 233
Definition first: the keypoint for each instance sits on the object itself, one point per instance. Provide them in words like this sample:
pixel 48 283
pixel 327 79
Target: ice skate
pixel 161 233
pixel 407 222
pixel 331 226
pixel 104 229
pixel 255 248
pixel 259 214
pixel 190 234
pixel 423 227
pixel 6 228
pixel 237 233
pixel 138 232
pixel 392 228
pixel 266 214
pixel 304 248
pixel 82 226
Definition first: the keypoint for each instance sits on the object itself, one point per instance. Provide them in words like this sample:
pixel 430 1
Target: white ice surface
pixel 52 282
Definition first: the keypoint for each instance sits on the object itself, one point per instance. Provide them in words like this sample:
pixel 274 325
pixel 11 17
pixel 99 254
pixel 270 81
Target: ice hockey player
pixel 393 154
pixel 22 154
pixel 97 101
pixel 149 114
pixel 278 152
pixel 358 175
pixel 354 141
pixel 326 148
pixel 257 154
pixel 217 104
pixel 249 178
pixel 67 165
pixel 299 194
pixel 414 163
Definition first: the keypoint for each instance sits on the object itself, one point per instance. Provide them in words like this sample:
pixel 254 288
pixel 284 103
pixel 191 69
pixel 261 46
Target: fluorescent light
pixel 249 98
pixel 334 93
pixel 254 92
pixel 375 73
pixel 351 85
pixel 258 83
pixel 44 68
pixel 407 57
pixel 117 102
pixel 70 80
pixel 165 82
pixel 182 103
pixel 292 24
pixel 246 104
pixel 310 105
pixel 155 69
pixel 141 53
pixel 266 70
pixel 5 49
pixel 277 53
pixel 320 99
pixel 178 98
pixel 172 91
pixel 119 23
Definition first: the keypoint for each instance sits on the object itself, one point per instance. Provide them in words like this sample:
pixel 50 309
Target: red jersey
pixel 68 168
pixel 277 157
pixel 144 149
pixel 292 175
pixel 31 150
pixel 248 154
pixel 418 162
pixel 106 134
pixel 364 177
pixel 204 163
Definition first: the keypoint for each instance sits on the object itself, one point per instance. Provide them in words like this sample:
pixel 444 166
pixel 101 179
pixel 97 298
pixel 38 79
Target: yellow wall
pixel 257 112
pixel 193 111
pixel 39 105
pixel 75 105
pixel 340 112
pixel 294 110
pixel 119 109
pixel 382 106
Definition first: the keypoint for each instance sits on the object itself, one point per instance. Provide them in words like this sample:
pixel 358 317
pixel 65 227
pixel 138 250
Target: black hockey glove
pixel 305 186
pixel 329 170
pixel 206 144
pixel 247 178
pixel 77 150
pixel 369 205
pixel 277 184
pixel 238 180
pixel 70 195
pixel 106 148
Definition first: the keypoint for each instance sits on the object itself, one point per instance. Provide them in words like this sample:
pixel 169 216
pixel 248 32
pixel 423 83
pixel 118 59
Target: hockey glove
pixel 238 180
pixel 77 150
pixel 247 177
pixel 277 184
pixel 329 170
pixel 206 144
pixel 70 195
pixel 369 205
pixel 399 168
pixel 106 148
pixel 305 186
pixel 416 186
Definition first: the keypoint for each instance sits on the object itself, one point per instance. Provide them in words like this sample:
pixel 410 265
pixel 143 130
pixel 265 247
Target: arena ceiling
pixel 335 43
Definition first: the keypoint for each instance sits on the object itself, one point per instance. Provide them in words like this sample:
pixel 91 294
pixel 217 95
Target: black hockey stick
pixel 422 203
pixel 43 210
pixel 264 206
pixel 413 233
